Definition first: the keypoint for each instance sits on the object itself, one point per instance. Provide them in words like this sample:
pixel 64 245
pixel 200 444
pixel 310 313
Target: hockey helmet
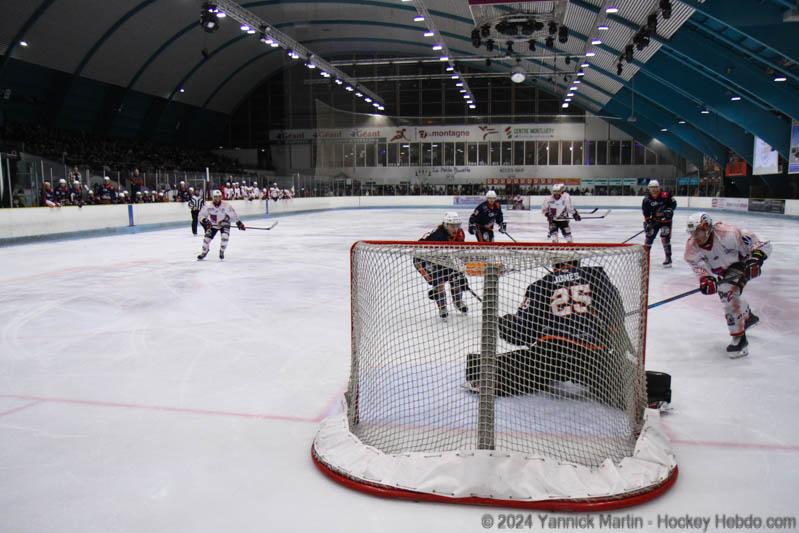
pixel 62 181
pixel 452 218
pixel 491 195
pixel 557 188
pixel 191 189
pixel 698 220
pixel 216 194
pixel 653 183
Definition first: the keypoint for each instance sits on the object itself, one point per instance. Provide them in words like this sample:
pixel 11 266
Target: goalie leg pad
pixel 658 388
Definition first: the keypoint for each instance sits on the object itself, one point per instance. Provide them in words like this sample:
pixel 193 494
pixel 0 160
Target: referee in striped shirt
pixel 195 204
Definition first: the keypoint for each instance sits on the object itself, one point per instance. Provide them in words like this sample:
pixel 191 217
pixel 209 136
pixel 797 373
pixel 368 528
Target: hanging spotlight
pixel 490 45
pixel 476 42
pixel 509 47
pixel 209 19
pixel 563 35
pixel 628 53
pixel 705 111
pixel 681 121
pixel 517 73
pixel 485 31
pixel 619 69
pixel 665 9
pixel 780 78
pixel 580 73
pixel 652 23
pixel 531 45
pixel 549 42
pixel 553 27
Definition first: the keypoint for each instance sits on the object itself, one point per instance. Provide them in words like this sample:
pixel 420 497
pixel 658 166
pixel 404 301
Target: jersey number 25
pixel 568 300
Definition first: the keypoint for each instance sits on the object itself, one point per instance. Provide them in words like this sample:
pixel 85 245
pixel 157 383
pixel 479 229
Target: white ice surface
pixel 143 391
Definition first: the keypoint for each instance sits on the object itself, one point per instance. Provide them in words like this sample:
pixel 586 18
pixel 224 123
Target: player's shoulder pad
pixel 665 195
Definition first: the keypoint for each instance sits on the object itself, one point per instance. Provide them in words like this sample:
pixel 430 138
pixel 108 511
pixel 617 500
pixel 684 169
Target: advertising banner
pixel 767 205
pixel 733 204
pixel 793 153
pixel 765 158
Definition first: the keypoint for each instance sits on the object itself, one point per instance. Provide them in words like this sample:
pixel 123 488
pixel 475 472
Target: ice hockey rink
pixel 142 390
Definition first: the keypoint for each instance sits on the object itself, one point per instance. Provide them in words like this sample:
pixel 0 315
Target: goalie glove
pixel 240 225
pixel 707 285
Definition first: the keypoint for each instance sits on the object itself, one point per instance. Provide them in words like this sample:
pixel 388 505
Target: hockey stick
pixel 634 236
pixel 265 229
pixel 508 235
pixel 732 279
pixel 584 218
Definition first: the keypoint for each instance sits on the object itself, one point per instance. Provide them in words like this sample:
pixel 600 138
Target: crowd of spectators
pixel 76 148
pixel 109 192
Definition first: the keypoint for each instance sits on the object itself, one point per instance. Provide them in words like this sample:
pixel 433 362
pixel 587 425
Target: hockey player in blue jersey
pixel 658 208
pixel 437 275
pixel 488 213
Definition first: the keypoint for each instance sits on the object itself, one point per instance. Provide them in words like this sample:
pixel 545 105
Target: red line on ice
pixel 189 410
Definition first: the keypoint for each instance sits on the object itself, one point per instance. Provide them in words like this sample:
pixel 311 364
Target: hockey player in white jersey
pixel 557 208
pixel 217 216
pixel 724 259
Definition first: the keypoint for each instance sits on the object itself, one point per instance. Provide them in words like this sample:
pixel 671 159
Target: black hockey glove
pixel 240 225
pixel 206 224
pixel 754 265
pixel 707 285
pixel 503 227
pixel 472 228
pixel 577 217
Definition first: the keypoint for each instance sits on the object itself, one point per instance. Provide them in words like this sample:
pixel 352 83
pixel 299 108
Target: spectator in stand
pixel 48 196
pixel 136 181
pixel 274 192
pixel 183 194
pixel 255 191
pixel 107 194
pixel 62 192
pixel 19 198
pixel 76 194
pixel 74 174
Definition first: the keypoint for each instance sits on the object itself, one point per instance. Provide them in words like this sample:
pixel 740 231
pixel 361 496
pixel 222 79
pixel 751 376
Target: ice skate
pixel 739 347
pixel 751 320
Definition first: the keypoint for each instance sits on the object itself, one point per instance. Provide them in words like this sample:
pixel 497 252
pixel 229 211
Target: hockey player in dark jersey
pixel 658 207
pixel 437 275
pixel 482 221
pixel 571 323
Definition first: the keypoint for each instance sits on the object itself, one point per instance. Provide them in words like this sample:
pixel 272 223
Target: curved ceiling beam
pixel 652 129
pixel 101 41
pixel 743 15
pixel 44 6
pixel 373 3
pixel 742 76
pixel 684 132
pixel 161 49
pixel 765 125
pixel 662 118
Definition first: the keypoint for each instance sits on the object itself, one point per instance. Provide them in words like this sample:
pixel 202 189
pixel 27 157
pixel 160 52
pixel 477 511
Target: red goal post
pixel 458 410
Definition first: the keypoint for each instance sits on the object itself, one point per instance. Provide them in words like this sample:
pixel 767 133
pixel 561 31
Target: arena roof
pixel 705 84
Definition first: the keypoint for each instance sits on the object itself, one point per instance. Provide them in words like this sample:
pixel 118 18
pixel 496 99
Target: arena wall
pixel 42 223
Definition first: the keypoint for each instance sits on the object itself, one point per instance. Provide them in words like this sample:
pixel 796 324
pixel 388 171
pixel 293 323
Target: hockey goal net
pixel 503 374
